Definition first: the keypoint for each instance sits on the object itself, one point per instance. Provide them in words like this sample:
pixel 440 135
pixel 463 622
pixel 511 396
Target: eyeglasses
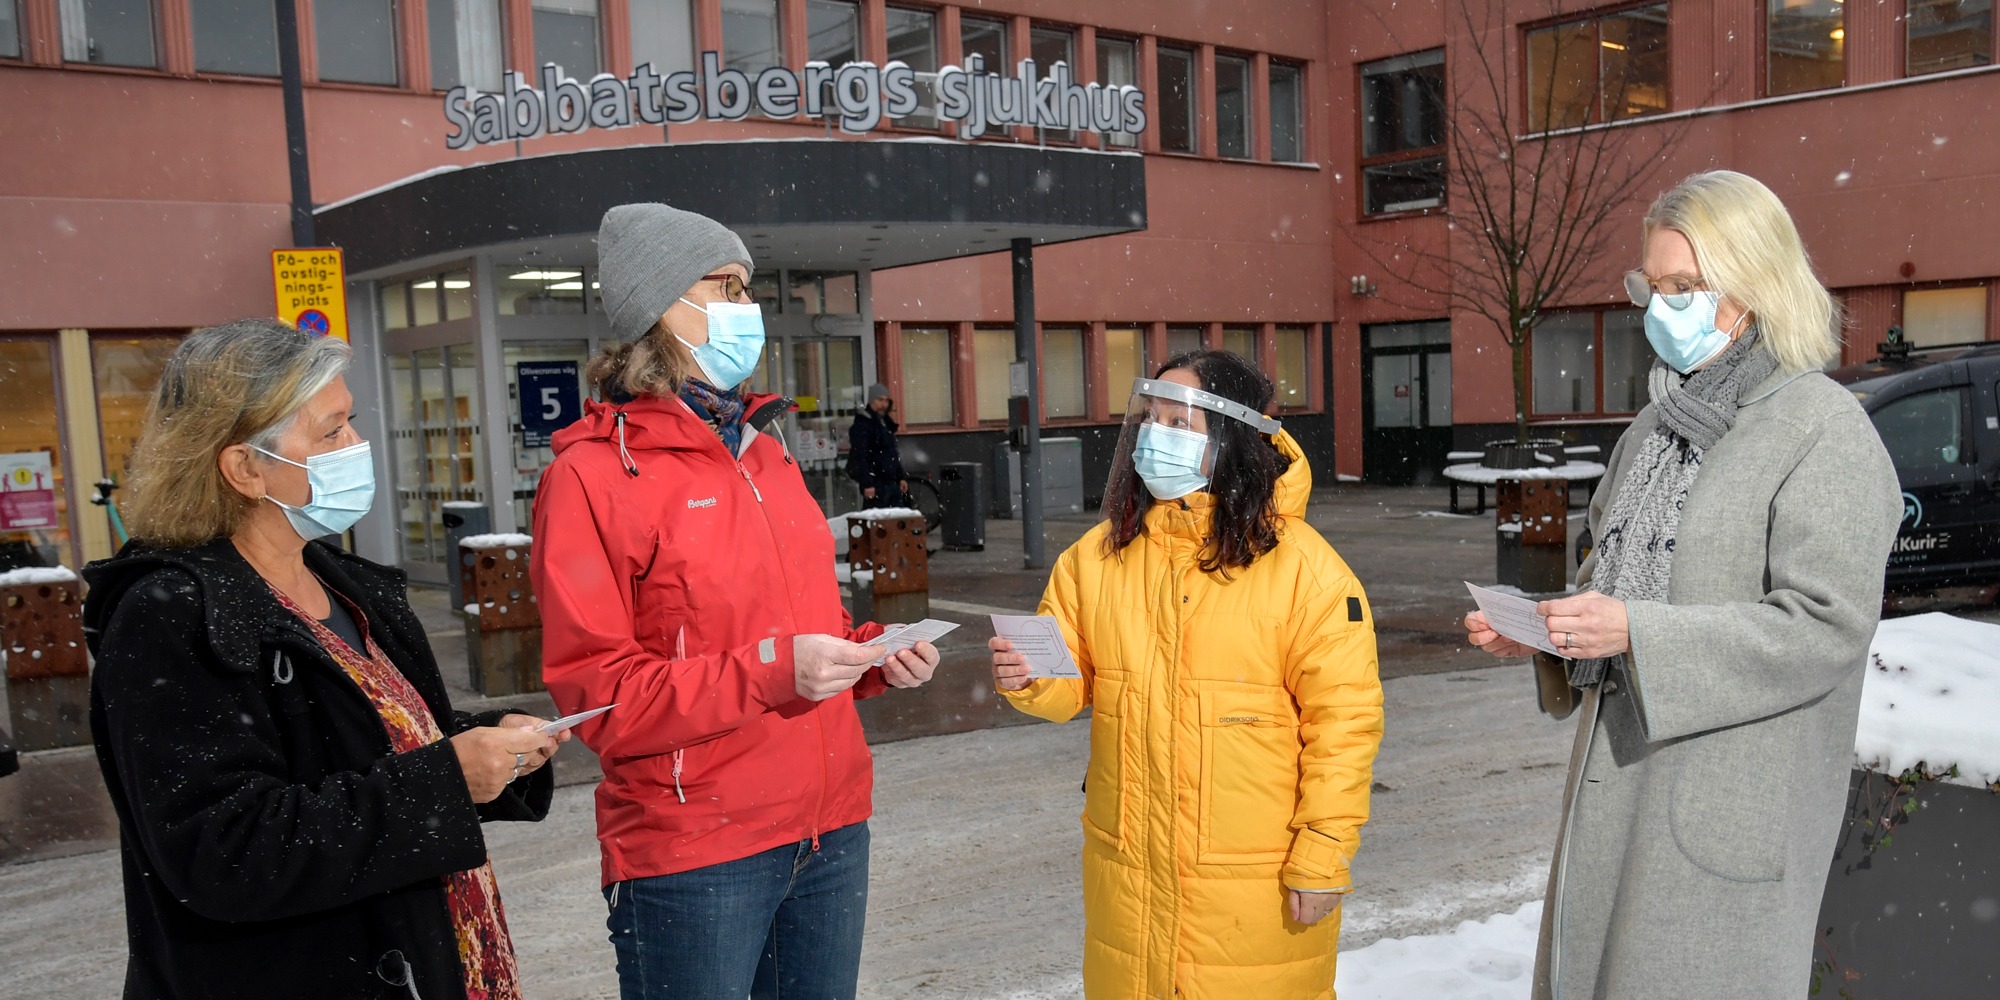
pixel 1677 291
pixel 732 286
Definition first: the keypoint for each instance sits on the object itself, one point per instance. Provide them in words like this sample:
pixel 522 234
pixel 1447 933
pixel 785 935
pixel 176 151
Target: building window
pixel 1402 133
pixel 926 375
pixel 1232 107
pixel 1948 34
pixel 1124 361
pixel 566 34
pixel 750 39
pixel 426 300
pixel 1287 112
pixel 992 352
pixel 1598 69
pixel 833 32
pixel 1294 378
pixel 913 42
pixel 987 39
pixel 1805 45
pixel 1934 316
pixel 232 36
pixel 10 29
pixel 1185 340
pixel 527 290
pixel 1050 46
pixel 1065 391
pixel 663 35
pixel 1571 354
pixel 1242 342
pixel 468 43
pixel 1118 66
pixel 1176 100
pixel 357 41
pixel 108 32
pixel 1563 349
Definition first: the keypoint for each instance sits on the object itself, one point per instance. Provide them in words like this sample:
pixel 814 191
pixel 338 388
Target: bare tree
pixel 1530 203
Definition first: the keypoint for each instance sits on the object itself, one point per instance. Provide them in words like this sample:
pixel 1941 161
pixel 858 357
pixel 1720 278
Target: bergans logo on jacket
pixel 672 577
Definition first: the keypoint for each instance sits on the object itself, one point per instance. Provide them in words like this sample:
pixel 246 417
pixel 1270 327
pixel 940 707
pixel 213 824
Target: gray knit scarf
pixel 1635 556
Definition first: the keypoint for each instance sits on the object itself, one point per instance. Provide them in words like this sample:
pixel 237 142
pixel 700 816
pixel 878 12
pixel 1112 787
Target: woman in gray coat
pixel 1717 649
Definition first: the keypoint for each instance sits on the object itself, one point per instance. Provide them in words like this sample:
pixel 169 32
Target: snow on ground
pixel 1490 959
pixel 1932 691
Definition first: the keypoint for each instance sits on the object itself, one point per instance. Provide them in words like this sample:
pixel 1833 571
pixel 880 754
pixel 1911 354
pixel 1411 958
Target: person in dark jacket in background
pixel 872 458
pixel 298 805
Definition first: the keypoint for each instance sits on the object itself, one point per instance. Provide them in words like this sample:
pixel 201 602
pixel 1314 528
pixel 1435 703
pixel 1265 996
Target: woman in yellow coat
pixel 1228 657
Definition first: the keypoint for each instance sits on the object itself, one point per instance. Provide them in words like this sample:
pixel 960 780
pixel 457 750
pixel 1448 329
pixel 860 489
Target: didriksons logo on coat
pixel 860 95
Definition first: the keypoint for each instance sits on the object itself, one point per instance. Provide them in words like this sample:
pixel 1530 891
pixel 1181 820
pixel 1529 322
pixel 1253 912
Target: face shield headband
pixel 1166 441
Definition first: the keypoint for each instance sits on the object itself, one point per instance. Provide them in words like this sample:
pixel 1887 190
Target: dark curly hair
pixel 1244 482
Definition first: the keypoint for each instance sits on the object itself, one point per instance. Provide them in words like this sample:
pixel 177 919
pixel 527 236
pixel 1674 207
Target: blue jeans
pixel 782 925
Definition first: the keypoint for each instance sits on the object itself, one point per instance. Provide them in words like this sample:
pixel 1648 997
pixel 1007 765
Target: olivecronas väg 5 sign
pixel 859 94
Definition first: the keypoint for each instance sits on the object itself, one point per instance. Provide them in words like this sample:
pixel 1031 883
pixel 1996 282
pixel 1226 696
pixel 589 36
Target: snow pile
pixel 1491 959
pixel 1932 692
pixel 882 514
pixel 844 573
pixel 1473 472
pixel 496 541
pixel 29 575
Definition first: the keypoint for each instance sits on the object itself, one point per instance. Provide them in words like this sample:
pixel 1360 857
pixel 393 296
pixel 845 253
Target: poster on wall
pixel 550 399
pixel 27 491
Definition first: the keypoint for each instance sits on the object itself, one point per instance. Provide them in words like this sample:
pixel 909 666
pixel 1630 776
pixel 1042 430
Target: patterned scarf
pixel 722 411
pixel 1636 555
pixel 485 951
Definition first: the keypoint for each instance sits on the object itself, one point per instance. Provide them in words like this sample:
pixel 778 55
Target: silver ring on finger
pixel 1569 640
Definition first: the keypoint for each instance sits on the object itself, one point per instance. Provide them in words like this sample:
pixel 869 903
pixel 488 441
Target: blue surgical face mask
pixel 343 488
pixel 735 343
pixel 1169 460
pixel 1687 338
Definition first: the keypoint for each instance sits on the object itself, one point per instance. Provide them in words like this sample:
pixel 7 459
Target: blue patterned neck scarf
pixel 722 411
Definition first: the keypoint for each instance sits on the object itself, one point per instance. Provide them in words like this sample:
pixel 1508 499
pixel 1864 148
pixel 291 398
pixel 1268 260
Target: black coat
pixel 872 457
pixel 273 844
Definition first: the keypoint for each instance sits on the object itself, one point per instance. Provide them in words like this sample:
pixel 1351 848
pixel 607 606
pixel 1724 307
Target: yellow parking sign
pixel 312 289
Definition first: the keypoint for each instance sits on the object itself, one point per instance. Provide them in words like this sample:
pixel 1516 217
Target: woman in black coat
pixel 299 806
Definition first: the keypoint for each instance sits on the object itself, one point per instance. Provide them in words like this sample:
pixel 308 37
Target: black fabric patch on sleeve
pixel 1354 609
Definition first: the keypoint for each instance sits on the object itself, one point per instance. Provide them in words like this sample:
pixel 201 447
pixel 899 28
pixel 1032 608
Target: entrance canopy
pixel 796 203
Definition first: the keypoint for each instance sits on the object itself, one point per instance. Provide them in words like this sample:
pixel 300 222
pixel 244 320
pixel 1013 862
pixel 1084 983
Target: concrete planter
pixel 1919 916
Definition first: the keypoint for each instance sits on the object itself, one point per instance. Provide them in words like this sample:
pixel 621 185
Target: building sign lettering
pixel 860 95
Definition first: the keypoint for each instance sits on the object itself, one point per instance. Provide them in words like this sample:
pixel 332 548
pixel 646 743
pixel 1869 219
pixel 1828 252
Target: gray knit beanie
pixel 649 255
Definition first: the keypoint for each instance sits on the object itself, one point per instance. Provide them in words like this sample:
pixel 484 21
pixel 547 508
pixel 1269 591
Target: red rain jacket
pixel 671 579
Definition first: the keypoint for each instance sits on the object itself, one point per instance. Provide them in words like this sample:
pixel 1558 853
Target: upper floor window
pixel 1118 66
pixel 109 32
pixel 1232 106
pixel 986 38
pixel 1805 45
pixel 750 39
pixel 234 36
pixel 1287 106
pixel 468 43
pixel 10 29
pixel 356 40
pixel 1175 83
pixel 913 42
pixel 1051 46
pixel 1598 69
pixel 662 34
pixel 833 31
pixel 1403 133
pixel 1948 34
pixel 566 34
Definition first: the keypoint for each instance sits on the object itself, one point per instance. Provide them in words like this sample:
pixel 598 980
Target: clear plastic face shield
pixel 1167 441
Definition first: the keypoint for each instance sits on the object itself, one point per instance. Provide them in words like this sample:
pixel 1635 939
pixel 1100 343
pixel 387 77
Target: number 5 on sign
pixel 550 399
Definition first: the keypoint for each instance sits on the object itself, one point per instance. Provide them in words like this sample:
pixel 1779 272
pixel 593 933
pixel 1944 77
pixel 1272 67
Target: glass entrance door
pixel 824 375
pixel 434 427
pixel 1407 379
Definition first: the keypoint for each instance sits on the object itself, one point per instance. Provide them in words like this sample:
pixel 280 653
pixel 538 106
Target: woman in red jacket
pixel 685 574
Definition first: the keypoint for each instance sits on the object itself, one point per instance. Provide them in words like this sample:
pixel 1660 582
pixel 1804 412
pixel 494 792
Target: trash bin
pixel 462 520
pixel 962 492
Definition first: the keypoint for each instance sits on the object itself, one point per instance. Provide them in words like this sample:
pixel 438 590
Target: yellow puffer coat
pixel 1232 743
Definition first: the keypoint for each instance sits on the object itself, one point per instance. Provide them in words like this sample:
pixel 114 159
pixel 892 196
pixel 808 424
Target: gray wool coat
pixel 1710 770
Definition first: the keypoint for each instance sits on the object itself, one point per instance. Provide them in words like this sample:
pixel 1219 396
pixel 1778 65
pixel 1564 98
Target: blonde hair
pixel 240 383
pixel 1750 251
pixel 656 364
